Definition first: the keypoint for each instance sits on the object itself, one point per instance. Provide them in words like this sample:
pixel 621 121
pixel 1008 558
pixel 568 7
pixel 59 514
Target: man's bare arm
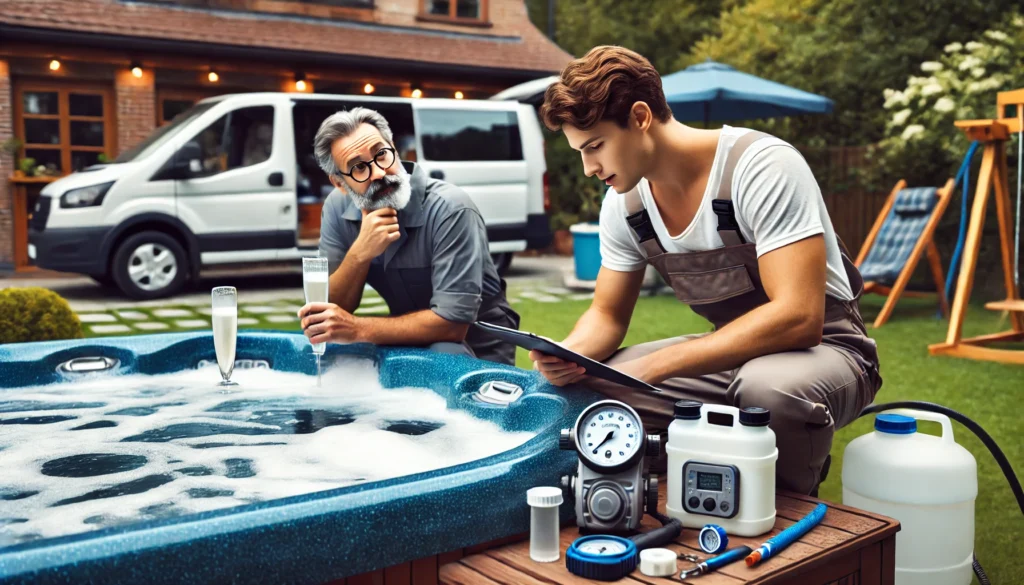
pixel 418 328
pixel 346 284
pixel 794 280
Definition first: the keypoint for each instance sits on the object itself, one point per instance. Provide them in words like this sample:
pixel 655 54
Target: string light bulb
pixel 368 88
pixel 417 93
pixel 459 95
pixel 54 65
pixel 137 70
pixel 213 77
pixel 300 82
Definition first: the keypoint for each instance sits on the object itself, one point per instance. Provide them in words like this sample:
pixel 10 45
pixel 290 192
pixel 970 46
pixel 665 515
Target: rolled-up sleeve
pixel 333 244
pixel 459 253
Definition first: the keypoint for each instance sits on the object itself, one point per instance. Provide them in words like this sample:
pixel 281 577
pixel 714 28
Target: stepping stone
pixel 294 309
pixel 546 299
pixel 281 318
pixel 205 311
pixel 172 313
pixel 581 296
pixel 259 309
pixel 132 315
pixel 371 301
pixel 97 318
pixel 151 325
pixel 110 328
pixel 247 321
pixel 514 300
pixel 192 323
pixel 373 310
pixel 556 290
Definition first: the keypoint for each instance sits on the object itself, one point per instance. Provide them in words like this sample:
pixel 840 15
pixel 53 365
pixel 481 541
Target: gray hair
pixel 341 124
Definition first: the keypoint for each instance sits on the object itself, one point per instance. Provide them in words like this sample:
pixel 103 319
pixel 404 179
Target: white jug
pixel 928 484
pixel 723 436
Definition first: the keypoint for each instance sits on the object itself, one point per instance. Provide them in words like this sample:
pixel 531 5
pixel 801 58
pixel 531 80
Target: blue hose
pixel 787 536
pixel 963 174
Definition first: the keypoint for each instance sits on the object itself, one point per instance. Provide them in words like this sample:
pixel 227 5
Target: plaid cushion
pixel 900 231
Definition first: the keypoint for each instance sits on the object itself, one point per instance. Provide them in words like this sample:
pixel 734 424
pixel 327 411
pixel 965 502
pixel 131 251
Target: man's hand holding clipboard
pixel 573 365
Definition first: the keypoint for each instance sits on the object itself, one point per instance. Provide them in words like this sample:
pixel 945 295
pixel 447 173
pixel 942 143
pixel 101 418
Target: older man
pixel 419 242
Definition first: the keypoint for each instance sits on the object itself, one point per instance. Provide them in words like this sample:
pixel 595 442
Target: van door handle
pixel 276 179
pixel 437 174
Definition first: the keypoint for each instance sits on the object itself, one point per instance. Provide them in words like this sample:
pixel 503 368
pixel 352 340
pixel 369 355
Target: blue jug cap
pixel 895 424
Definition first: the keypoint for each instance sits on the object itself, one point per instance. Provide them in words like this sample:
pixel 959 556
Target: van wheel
pixel 150 265
pixel 502 262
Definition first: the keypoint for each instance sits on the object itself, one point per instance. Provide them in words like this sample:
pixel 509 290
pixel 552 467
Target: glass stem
pixel 317 370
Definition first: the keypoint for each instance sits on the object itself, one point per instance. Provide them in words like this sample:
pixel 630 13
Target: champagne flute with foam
pixel 315 286
pixel 224 300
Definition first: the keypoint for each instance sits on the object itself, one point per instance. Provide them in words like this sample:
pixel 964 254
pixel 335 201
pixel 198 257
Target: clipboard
pixel 529 341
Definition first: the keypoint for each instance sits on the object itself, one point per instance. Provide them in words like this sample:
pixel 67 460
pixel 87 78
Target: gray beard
pixel 398 187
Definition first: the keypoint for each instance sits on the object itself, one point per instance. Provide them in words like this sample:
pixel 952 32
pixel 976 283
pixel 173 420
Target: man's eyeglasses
pixel 361 171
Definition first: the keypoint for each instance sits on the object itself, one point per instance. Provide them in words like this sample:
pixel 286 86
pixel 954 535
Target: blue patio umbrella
pixel 712 91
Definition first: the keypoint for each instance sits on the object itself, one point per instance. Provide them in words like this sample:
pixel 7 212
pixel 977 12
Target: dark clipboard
pixel 527 340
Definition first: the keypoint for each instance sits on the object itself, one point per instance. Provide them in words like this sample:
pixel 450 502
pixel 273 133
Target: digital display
pixel 709 481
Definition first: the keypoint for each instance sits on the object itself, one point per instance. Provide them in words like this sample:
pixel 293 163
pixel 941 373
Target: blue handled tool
pixel 715 563
pixel 787 536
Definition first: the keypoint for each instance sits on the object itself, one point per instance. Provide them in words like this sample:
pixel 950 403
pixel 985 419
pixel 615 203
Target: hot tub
pixel 312 537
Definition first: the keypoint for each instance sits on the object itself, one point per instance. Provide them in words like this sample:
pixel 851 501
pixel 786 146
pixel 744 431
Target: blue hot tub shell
pixel 322 536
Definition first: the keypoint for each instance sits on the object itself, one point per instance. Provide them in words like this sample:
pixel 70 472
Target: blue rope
pixel 963 174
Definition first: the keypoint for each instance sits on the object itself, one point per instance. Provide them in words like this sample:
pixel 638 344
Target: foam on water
pixel 111 451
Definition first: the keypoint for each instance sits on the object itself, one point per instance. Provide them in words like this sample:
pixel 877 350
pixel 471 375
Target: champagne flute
pixel 225 330
pixel 315 287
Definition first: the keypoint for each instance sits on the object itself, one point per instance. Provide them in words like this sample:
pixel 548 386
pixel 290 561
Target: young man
pixel 734 221
pixel 419 242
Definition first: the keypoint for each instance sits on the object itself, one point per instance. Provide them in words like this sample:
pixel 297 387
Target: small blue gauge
pixel 601 557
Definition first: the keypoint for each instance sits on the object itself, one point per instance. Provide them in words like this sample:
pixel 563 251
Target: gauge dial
pixel 603 546
pixel 609 434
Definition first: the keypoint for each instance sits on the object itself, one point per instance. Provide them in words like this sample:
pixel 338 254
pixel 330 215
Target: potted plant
pixel 11 146
pixel 27 166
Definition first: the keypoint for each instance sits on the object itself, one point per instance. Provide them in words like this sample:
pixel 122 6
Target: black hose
pixel 980 573
pixel 997 453
pixel 670 529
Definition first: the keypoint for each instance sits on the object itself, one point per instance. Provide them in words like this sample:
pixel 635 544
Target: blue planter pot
pixel 586 247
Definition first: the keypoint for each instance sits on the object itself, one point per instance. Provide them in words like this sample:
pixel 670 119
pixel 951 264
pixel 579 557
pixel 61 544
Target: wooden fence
pixel 852 208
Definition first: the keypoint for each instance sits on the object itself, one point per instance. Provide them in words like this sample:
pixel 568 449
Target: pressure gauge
pixel 608 436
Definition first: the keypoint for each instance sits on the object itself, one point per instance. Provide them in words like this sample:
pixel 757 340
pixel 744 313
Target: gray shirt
pixel 440 262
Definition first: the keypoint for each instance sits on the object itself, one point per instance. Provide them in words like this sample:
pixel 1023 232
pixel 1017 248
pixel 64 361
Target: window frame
pixel 483 20
pixel 180 94
pixel 64 89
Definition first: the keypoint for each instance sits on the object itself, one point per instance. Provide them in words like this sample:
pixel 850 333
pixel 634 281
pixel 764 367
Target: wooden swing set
pixel 993 134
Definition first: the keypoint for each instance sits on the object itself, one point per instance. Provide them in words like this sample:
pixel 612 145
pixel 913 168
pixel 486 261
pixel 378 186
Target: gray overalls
pixel 810 393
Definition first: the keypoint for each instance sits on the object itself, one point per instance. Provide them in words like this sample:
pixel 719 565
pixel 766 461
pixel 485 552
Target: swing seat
pixel 1012 305
pixel 903 231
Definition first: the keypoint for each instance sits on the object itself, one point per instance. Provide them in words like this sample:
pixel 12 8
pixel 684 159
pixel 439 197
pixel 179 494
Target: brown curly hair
pixel 603 85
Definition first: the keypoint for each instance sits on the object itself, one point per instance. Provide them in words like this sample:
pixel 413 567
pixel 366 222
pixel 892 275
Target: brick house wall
pixel 6 168
pixel 135 100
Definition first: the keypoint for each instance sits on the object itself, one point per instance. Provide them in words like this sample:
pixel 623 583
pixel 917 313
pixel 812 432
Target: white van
pixel 222 184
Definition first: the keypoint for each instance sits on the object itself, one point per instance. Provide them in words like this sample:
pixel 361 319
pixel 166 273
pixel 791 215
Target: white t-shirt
pixel 776 200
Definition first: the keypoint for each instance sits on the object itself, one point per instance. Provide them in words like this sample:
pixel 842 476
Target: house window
pixel 457 10
pixel 65 128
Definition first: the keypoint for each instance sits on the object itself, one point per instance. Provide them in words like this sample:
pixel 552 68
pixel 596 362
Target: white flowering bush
pixel 921 142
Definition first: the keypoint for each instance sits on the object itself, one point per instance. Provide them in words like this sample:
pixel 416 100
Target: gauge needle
pixel 606 437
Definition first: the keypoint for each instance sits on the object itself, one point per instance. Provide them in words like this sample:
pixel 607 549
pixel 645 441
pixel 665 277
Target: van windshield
pixel 164 133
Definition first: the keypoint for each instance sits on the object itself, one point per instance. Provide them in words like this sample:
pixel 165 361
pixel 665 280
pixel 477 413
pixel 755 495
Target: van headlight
pixel 85 196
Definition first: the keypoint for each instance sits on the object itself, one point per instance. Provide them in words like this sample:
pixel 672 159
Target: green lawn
pixel 986 392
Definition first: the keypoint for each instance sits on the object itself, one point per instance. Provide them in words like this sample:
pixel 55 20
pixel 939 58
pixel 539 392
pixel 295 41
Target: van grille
pixel 40 214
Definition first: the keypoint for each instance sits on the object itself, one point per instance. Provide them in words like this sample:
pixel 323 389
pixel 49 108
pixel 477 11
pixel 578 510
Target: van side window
pixel 470 135
pixel 240 138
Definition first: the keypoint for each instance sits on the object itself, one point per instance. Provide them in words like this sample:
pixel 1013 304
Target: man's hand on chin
pixel 323 322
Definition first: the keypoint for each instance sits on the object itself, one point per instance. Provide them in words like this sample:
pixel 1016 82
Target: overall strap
pixel 640 221
pixel 722 205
